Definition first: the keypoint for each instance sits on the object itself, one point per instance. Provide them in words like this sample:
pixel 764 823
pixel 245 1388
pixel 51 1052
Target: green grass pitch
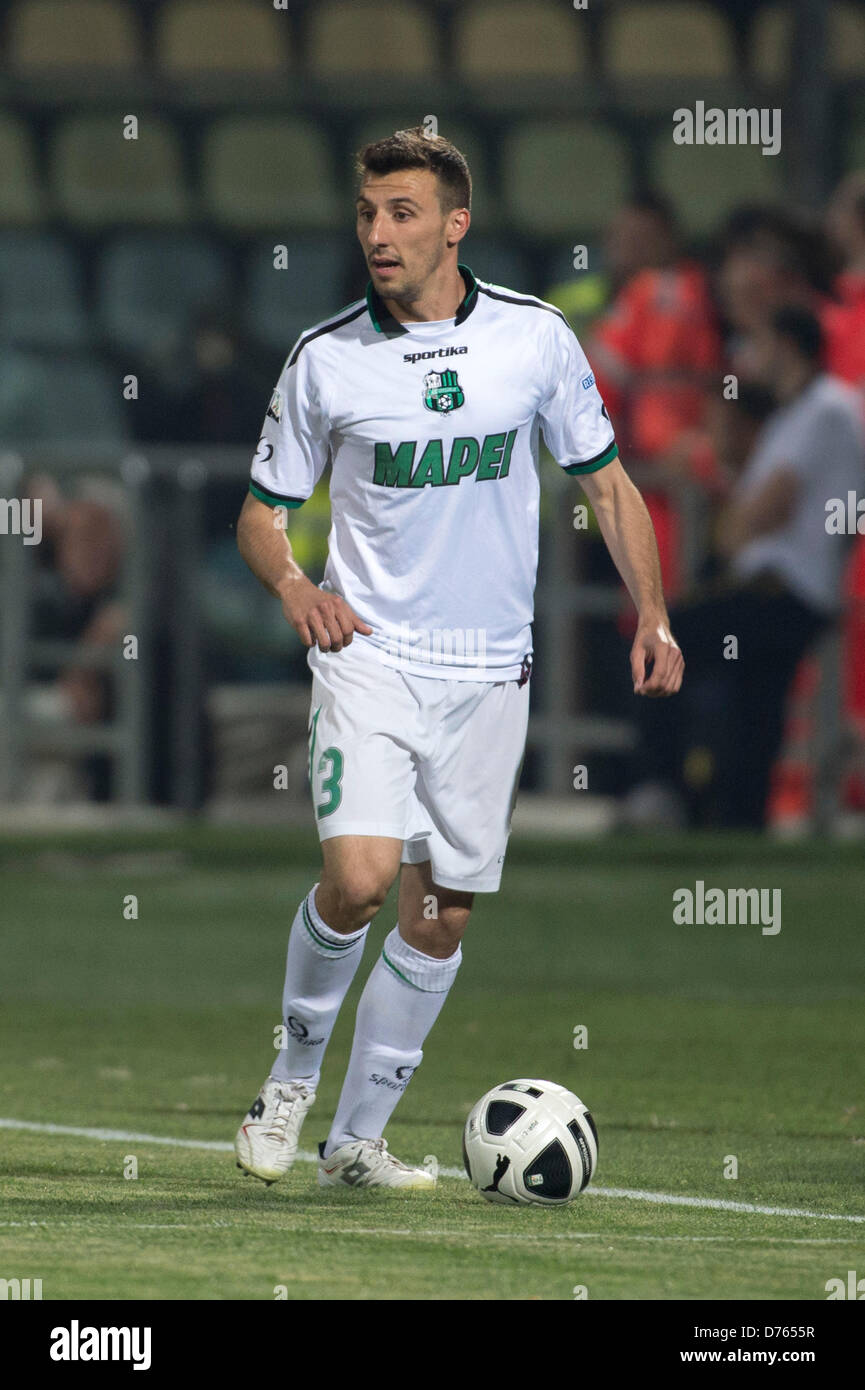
pixel 703 1042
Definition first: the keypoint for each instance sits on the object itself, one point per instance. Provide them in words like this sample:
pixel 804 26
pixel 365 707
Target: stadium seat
pixel 563 178
pixel 520 38
pixel 671 39
pixel 59 400
pixel 769 45
pixel 21 198
pixel 220 36
pixel 485 211
pixel 102 178
pixel 771 35
pixel 280 304
pixel 705 183
pixel 268 172
pixel 51 35
pixel 363 38
pixel 41 300
pixel 150 284
pixel 847 40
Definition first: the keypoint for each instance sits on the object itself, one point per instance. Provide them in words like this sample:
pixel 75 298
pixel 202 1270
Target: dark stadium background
pixel 154 258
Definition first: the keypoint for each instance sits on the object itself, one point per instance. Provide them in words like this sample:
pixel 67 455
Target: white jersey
pixel 431 430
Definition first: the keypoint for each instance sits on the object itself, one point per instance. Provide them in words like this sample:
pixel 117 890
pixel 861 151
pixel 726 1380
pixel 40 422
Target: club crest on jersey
pixel 442 392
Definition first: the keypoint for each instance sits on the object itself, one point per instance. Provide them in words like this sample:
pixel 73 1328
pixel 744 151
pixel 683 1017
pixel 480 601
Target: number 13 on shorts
pixel 325 773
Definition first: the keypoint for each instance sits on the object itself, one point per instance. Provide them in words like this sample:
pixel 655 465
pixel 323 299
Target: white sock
pixel 400 1003
pixel 319 968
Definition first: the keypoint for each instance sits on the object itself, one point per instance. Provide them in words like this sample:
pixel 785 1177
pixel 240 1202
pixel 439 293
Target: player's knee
pixel 360 896
pixel 453 923
pixel 440 936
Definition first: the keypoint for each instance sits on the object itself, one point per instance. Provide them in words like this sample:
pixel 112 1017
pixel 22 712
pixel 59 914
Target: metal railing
pixel 160 591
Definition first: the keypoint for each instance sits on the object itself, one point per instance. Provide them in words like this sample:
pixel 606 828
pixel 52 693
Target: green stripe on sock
pixel 399 973
pixel 318 938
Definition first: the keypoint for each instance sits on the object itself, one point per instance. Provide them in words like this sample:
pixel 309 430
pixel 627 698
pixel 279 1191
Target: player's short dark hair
pixel 414 149
pixel 801 328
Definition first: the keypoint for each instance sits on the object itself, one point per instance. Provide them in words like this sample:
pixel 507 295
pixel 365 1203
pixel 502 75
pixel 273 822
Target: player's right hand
pixel 321 618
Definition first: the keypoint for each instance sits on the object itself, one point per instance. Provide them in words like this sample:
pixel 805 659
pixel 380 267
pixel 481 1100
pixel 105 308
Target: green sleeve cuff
pixel 274 499
pixel 592 465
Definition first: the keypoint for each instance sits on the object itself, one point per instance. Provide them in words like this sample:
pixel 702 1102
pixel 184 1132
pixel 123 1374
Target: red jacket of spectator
pixel 844 327
pixel 652 353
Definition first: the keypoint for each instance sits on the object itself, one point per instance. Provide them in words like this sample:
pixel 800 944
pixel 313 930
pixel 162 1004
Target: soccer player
pixel 427 397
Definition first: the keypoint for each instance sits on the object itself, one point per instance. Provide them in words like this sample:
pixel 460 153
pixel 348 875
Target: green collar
pixel 384 322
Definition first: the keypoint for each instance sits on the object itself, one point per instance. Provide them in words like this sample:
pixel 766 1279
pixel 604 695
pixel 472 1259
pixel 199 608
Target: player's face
pixel 402 230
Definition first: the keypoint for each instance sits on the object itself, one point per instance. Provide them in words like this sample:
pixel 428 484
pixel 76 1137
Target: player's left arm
pixel 657 664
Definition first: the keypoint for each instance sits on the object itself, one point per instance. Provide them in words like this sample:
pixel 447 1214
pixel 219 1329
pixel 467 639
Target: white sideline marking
pixel 124 1135
pixel 632 1194
pixel 712 1203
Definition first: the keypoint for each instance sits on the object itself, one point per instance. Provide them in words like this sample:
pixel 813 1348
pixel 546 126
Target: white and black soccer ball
pixel 530 1142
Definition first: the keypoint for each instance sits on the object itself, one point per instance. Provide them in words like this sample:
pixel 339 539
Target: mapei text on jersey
pixel 487 459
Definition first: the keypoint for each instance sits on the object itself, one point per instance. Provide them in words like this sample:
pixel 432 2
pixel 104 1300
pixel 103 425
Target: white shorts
pixel 434 763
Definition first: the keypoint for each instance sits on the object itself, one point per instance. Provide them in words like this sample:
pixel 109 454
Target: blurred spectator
pixel 210 394
pixel 641 236
pixel 654 352
pixel 734 427
pixel 844 322
pixel 654 349
pixel 637 239
pixel 769 258
pixel 712 749
pixel 77 600
pixel 220 402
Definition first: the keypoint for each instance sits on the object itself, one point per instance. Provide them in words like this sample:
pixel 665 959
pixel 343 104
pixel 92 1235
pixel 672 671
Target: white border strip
pixel 666 1199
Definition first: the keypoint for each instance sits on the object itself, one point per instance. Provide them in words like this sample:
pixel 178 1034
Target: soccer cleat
pixel 266 1142
pixel 367 1163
